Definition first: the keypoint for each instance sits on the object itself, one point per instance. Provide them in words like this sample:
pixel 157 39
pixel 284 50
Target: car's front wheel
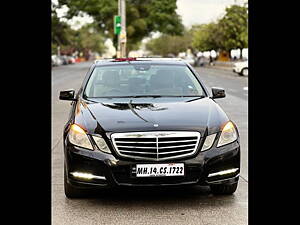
pixel 244 72
pixel 223 189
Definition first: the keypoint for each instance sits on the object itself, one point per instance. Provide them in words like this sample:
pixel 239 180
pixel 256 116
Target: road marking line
pixel 245 88
pixel 56 144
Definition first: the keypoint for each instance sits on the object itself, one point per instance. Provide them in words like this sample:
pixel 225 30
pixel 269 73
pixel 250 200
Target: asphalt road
pixel 183 205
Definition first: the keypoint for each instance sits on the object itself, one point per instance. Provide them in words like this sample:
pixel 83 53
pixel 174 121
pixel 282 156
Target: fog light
pixel 223 172
pixel 87 176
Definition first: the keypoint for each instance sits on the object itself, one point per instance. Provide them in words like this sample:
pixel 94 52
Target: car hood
pixel 150 114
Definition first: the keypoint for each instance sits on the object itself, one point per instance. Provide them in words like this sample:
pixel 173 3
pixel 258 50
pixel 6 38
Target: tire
pixel 70 191
pixel 223 189
pixel 244 72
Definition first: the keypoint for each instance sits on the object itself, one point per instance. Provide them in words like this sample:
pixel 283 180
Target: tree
pixel 88 38
pixel 60 33
pixel 230 32
pixel 169 44
pixel 234 28
pixel 142 17
pixel 206 37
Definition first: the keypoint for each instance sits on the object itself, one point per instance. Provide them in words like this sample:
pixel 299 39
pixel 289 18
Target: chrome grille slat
pixel 176 146
pixel 134 142
pixel 138 152
pixel 186 150
pixel 136 147
pixel 163 142
pixel 167 144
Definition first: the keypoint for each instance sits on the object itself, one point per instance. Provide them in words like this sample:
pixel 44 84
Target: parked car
pixel 147 122
pixel 65 60
pixel 71 60
pixel 56 61
pixel 241 68
pixel 202 61
pixel 52 61
pixel 189 59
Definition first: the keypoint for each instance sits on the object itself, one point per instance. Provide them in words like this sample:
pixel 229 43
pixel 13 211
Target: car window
pixel 135 80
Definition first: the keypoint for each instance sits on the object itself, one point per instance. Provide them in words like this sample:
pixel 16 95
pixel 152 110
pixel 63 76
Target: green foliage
pixel 61 32
pixel 87 38
pixel 206 37
pixel 228 33
pixel 163 17
pixel 234 26
pixel 53 48
pixel 142 17
pixel 169 44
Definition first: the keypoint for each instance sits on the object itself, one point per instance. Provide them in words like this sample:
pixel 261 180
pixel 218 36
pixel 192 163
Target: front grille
pixel 158 145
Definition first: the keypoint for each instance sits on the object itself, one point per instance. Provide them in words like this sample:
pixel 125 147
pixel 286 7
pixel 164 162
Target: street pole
pixel 122 36
pixel 119 38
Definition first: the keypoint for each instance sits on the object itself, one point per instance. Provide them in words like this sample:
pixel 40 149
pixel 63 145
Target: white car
pixel 56 61
pixel 241 68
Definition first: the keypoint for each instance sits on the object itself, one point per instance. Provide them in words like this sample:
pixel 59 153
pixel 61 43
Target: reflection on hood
pixel 134 106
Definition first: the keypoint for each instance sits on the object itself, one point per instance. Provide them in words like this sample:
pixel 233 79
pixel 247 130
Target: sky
pixel 203 11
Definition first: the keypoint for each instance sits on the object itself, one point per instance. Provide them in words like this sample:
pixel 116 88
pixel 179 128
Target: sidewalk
pixel 221 65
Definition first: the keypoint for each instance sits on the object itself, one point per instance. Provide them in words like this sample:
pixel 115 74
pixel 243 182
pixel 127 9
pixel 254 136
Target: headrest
pixel 162 79
pixel 111 78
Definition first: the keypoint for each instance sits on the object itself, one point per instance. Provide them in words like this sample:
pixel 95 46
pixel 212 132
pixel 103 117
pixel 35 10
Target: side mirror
pixel 218 93
pixel 68 95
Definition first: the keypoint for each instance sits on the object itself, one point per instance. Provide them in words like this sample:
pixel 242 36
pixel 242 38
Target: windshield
pixel 142 80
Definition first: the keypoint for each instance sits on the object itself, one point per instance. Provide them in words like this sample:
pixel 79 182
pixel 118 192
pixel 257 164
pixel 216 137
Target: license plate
pixel 160 170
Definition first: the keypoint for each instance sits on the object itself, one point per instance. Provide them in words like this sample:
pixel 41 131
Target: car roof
pixel 126 61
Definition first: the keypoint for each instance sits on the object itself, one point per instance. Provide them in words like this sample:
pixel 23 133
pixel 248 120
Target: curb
pixel 229 68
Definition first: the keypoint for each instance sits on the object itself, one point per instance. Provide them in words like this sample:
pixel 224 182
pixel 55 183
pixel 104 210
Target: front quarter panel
pixel 216 118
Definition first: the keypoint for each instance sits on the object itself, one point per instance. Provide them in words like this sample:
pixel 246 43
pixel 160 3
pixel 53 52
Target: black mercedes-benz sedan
pixel 147 122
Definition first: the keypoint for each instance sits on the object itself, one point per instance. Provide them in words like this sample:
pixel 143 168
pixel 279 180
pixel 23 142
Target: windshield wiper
pixel 196 98
pixel 135 113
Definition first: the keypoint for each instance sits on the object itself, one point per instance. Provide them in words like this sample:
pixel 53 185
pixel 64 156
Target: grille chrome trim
pixel 132 142
pixel 162 142
pixel 168 151
pixel 185 150
pixel 126 146
pixel 174 146
pixel 151 153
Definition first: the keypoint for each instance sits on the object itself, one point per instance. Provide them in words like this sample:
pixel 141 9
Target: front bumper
pixel 237 69
pixel 110 171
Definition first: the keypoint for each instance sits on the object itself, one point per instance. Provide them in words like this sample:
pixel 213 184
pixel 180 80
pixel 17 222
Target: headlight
pixel 77 136
pixel 209 140
pixel 101 144
pixel 228 134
